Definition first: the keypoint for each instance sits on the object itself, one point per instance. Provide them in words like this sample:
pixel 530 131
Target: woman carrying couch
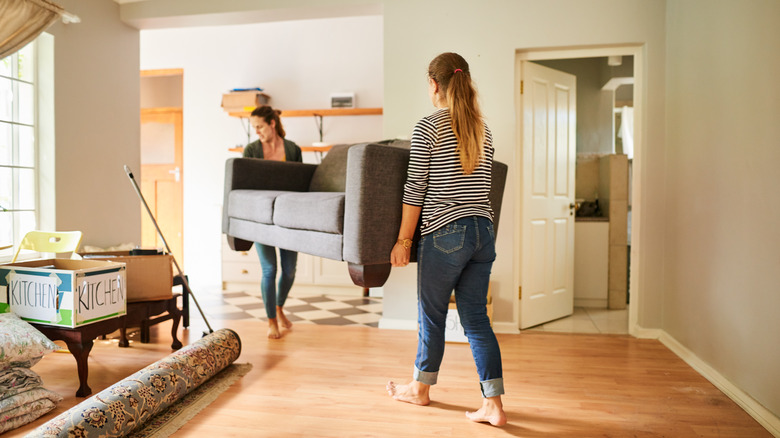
pixel 447 187
pixel 272 145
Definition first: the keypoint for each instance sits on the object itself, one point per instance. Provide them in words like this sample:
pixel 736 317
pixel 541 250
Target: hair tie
pixel 457 70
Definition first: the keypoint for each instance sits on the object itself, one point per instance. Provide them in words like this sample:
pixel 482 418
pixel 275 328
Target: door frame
pixel 168 106
pixel 638 52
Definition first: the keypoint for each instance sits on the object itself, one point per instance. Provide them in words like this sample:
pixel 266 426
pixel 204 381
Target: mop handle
pixel 167 248
pixel 146 206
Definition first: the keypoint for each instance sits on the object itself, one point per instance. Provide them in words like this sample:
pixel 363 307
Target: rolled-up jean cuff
pixel 492 388
pixel 425 377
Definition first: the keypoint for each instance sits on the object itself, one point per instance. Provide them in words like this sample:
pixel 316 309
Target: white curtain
pixel 626 132
pixel 21 21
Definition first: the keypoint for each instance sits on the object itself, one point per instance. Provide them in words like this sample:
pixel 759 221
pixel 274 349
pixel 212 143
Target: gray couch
pixel 346 208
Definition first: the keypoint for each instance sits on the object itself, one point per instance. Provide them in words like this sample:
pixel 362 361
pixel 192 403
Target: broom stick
pixel 184 281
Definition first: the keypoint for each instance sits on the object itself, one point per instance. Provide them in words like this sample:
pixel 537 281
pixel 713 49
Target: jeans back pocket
pixel 449 238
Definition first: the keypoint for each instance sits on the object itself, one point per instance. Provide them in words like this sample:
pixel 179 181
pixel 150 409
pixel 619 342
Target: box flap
pixel 65 264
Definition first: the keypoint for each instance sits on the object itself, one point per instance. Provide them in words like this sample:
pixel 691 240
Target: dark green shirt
pixel 291 151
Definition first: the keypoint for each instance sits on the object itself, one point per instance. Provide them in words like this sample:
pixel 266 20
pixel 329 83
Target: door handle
pixel 573 207
pixel 176 173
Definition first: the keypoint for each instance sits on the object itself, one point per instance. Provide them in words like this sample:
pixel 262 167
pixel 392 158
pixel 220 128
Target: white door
pixel 548 158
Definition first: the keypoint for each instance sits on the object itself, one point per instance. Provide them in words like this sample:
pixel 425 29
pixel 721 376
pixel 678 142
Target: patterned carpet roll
pixel 129 403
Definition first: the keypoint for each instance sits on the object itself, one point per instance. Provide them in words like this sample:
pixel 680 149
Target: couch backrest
pixel 331 173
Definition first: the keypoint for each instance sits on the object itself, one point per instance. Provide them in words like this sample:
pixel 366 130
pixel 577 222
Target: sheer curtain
pixel 21 21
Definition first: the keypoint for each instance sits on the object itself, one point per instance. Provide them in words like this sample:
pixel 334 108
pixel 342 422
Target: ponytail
pixel 451 72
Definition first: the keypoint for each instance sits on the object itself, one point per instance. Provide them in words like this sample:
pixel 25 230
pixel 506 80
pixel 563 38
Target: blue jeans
pixel 273 296
pixel 457 256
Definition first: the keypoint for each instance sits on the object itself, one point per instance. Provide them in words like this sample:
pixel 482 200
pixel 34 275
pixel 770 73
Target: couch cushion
pixel 253 205
pixel 315 211
pixel 331 173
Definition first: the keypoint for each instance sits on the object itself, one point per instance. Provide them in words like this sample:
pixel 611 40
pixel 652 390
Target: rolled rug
pixel 129 403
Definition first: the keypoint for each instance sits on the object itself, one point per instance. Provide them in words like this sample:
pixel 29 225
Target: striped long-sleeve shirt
pixel 435 179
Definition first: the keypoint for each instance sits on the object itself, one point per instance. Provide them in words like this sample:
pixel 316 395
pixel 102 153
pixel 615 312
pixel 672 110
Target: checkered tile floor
pixel 315 309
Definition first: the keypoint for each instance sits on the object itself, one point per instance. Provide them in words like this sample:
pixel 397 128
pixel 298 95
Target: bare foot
pixel 492 411
pixel 273 329
pixel 415 393
pixel 282 318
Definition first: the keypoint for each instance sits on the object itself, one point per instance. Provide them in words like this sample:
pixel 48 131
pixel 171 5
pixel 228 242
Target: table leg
pixel 80 350
pixel 176 318
pixel 145 334
pixel 123 342
pixel 185 306
pixel 185 296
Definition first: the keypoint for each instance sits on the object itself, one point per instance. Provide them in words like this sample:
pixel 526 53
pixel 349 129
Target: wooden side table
pixel 79 341
pixel 142 314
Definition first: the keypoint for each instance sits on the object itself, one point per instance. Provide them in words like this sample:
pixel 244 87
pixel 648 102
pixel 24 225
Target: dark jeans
pixel 459 257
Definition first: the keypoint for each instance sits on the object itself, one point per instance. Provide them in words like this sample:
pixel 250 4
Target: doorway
pixel 162 159
pixel 563 60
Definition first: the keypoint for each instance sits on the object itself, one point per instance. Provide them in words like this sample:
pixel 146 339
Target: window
pixel 18 147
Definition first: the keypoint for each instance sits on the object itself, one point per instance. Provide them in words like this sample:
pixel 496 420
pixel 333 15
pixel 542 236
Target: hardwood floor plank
pixel 326 381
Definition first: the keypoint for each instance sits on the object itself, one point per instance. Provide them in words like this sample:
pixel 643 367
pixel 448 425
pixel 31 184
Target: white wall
pixel 97 121
pixel 722 257
pixel 298 63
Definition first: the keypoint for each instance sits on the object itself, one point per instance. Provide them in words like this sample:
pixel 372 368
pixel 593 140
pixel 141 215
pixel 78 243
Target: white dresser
pixel 241 270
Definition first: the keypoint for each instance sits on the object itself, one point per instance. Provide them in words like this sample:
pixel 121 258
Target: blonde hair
pixel 451 73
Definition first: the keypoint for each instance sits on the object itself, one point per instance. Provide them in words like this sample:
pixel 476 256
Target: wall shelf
pixel 240 149
pixel 320 112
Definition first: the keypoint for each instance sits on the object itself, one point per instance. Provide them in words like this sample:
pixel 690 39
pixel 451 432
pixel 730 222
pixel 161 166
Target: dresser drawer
pixel 241 272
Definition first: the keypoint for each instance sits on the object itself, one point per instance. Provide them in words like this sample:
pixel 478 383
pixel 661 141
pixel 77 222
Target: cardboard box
pixel 454 330
pixel 238 101
pixel 63 292
pixel 149 277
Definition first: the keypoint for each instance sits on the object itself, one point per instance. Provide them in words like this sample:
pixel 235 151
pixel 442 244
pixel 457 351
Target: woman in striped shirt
pixel 447 187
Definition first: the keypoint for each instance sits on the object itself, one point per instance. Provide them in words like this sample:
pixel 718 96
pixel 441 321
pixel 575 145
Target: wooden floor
pixel 326 381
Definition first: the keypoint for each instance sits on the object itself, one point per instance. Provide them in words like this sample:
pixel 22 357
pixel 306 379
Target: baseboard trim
pixel 767 419
pixel 645 333
pixel 505 327
pixel 397 324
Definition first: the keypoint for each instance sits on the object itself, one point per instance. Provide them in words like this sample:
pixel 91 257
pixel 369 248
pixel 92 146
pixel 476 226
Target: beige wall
pixel 97 115
pixel 722 240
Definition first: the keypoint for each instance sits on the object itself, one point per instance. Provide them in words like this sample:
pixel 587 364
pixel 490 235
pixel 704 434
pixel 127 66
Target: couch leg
pixel 237 244
pixel 367 276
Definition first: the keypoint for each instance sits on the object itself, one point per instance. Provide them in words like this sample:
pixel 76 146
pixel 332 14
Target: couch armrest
pixel 257 174
pixel 372 204
pixel 498 180
pixel 376 175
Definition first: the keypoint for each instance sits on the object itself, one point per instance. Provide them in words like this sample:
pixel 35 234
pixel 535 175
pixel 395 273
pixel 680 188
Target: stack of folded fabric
pixel 22 396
